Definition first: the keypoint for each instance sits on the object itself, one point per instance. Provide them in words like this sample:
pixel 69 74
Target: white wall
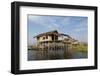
pixel 5 41
pixel 48 39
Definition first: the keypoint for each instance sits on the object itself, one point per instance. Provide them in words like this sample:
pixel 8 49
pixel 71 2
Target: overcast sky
pixel 75 26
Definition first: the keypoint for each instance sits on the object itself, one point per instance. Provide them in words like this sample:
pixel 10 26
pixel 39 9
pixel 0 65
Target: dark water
pixel 50 55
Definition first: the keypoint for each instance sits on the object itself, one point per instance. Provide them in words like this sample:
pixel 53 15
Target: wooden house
pixel 53 39
pixel 50 37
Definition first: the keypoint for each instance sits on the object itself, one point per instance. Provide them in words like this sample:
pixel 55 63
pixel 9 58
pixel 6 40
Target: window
pixel 46 37
pixel 43 38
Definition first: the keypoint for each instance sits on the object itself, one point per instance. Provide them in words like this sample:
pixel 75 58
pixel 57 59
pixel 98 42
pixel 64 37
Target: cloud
pixel 80 29
pixel 81 26
pixel 46 21
pixel 33 17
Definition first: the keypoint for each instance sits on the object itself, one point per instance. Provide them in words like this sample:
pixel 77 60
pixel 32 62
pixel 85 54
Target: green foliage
pixel 80 48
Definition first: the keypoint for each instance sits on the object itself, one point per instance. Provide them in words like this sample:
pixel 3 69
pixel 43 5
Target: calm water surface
pixel 50 55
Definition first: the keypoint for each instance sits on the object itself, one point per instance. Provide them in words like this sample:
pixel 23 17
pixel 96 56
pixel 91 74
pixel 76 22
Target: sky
pixel 75 26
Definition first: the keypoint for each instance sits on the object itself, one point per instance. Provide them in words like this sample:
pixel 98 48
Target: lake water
pixel 51 55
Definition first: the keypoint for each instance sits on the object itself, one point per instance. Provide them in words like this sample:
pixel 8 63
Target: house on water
pixel 53 40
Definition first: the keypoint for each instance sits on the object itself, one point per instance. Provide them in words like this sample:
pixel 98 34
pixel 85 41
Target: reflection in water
pixel 58 54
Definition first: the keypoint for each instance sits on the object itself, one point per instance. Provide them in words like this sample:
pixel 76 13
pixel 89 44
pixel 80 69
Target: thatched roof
pixel 54 32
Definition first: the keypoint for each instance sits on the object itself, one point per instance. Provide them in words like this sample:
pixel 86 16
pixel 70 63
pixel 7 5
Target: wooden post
pixel 54 42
